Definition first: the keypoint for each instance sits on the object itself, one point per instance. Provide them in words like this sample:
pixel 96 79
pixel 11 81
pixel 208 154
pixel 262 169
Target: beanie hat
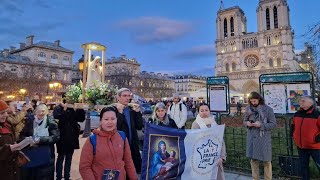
pixel 3 105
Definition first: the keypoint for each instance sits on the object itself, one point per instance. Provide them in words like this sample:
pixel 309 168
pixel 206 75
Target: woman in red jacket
pixel 112 153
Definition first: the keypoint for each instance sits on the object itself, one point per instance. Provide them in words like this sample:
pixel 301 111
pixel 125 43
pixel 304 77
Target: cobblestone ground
pixel 75 175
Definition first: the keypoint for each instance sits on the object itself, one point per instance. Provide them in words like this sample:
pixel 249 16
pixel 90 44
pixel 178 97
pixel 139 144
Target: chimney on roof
pixel 30 40
pixel 57 43
pixel 5 52
pixel 12 48
pixel 22 45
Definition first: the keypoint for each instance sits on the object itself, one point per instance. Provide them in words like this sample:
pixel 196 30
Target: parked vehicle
pixel 146 108
pixel 95 121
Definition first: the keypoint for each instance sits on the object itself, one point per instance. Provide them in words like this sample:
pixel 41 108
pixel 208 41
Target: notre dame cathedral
pixel 243 56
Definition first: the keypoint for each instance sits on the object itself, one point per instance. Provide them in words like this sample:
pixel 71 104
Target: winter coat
pixel 180 117
pixel 136 124
pixel 111 153
pixel 46 171
pixel 171 124
pixel 258 142
pixel 306 128
pixel 9 169
pixel 18 121
pixel 68 127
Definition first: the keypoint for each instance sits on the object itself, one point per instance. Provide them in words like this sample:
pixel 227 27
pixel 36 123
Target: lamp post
pixel 54 86
pixel 22 92
pixel 83 67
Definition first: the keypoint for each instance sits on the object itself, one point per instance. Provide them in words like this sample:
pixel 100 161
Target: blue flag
pixel 181 154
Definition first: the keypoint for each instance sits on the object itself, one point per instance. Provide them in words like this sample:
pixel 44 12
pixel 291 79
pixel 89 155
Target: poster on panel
pixel 294 94
pixel 275 97
pixel 218 98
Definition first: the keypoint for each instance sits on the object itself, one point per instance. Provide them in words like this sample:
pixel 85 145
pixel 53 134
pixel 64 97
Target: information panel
pixel 275 97
pixel 218 98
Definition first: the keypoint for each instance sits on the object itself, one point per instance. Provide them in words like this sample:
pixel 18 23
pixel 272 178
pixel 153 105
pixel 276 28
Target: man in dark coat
pixel 8 155
pixel 129 120
pixel 69 136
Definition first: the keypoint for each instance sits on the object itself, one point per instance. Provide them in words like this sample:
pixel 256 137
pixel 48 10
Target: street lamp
pixel 54 86
pixel 22 92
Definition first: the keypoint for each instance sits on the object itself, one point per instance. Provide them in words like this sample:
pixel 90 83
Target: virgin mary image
pixel 94 72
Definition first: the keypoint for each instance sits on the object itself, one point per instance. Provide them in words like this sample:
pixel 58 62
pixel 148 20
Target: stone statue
pixel 94 72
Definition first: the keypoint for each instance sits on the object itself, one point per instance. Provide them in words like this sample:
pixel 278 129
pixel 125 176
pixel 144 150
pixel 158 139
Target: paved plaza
pixel 75 175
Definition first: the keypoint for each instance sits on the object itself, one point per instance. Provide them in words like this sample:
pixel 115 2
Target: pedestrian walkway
pixel 75 175
pixel 233 176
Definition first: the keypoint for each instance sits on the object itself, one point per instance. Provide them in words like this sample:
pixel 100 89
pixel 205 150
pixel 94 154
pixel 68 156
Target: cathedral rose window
pixel 251 61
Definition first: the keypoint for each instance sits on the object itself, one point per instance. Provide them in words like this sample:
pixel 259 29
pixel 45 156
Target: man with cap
pixel 8 148
pixel 306 134
pixel 178 112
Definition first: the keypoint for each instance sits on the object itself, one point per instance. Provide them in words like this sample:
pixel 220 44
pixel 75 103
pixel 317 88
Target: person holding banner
pixel 109 156
pixel 205 120
pixel 259 120
pixel 160 116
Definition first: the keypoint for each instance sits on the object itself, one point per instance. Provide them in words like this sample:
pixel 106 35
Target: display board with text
pixel 283 91
pixel 218 94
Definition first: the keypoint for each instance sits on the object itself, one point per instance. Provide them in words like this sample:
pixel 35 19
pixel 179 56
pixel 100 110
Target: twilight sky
pixel 168 36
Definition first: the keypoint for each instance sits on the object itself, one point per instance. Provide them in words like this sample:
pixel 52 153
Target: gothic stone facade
pixel 244 56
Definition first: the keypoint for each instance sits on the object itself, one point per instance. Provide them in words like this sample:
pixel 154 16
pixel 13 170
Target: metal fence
pixel 285 163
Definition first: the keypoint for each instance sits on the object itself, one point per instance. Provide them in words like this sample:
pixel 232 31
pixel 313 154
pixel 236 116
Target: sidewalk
pixel 233 176
pixel 75 175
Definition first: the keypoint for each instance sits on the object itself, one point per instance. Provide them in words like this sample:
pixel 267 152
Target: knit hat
pixel 3 105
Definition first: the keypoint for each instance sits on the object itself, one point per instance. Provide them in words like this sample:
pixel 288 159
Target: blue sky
pixel 169 36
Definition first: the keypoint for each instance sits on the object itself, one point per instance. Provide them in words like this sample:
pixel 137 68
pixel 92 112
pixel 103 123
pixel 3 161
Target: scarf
pixel 203 122
pixel 257 114
pixel 39 124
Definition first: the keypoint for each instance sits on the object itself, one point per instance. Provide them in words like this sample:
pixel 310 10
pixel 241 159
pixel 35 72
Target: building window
pixel 270 62
pixel 65 76
pixel 66 58
pixel 41 54
pixel 268 18
pixel 275 16
pixel 251 61
pixel 227 67
pixel 225 28
pixel 234 66
pixel 141 83
pixel 232 26
pixel 54 56
pixel 268 40
pixel 278 62
pixel 53 75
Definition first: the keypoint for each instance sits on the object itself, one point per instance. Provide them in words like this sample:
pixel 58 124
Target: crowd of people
pixel 112 151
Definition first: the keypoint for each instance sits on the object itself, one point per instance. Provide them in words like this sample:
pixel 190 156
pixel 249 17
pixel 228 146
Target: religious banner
pixel 294 94
pixel 275 97
pixel 181 154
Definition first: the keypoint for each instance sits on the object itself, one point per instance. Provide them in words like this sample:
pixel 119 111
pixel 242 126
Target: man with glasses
pixel 306 134
pixel 178 112
pixel 129 120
